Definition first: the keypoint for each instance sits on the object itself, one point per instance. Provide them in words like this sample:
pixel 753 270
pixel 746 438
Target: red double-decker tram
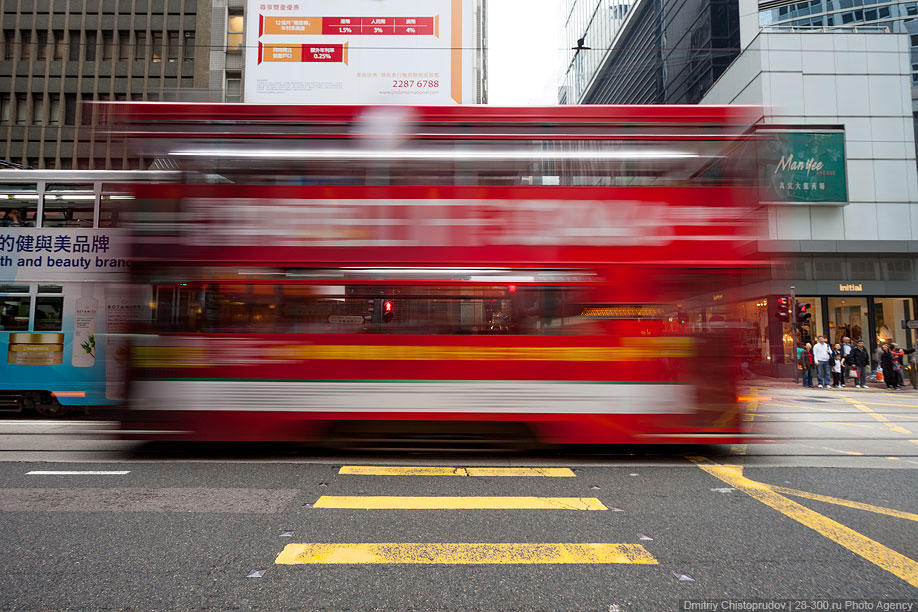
pixel 488 270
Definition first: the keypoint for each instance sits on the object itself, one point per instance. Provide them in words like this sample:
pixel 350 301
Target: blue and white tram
pixel 63 297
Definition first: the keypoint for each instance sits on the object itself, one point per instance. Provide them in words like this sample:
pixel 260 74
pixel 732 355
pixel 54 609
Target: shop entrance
pixel 848 317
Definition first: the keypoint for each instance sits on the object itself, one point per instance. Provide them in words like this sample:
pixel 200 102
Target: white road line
pixel 77 473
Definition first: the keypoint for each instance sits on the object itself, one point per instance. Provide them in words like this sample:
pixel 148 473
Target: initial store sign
pixel 851 287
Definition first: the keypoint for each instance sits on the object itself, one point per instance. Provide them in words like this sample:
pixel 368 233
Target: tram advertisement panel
pixel 353 51
pixel 62 310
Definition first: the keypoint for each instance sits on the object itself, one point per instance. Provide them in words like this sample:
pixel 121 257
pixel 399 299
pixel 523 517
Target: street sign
pixel 910 324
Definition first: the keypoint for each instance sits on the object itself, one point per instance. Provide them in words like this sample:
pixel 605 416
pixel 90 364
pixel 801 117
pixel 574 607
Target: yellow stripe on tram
pixel 384 502
pixel 455 553
pixel 425 470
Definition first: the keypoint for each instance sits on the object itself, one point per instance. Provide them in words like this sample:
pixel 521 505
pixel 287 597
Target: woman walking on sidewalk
pixel 805 359
pixel 888 364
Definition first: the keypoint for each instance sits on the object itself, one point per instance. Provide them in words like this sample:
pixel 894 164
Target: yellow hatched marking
pixel 879 417
pixel 871 550
pixel 425 470
pixel 846 502
pixel 385 502
pixel 453 554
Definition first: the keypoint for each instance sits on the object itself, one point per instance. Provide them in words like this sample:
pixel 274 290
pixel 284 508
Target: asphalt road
pixel 824 517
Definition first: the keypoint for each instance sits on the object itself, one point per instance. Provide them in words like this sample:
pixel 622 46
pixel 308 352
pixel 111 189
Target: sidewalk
pixel 788 383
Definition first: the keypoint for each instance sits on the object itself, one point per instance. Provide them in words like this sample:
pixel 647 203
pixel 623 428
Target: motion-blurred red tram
pixel 379 269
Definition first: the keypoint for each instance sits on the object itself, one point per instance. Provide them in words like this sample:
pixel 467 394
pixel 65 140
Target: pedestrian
pixel 859 358
pixel 899 361
pixel 822 354
pixel 805 363
pixel 887 364
pixel 846 349
pixel 837 367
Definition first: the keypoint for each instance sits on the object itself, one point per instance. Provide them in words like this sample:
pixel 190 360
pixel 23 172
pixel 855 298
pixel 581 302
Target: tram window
pixel 68 206
pixel 50 288
pixel 14 312
pixel 113 207
pixel 314 309
pixel 18 205
pixel 48 311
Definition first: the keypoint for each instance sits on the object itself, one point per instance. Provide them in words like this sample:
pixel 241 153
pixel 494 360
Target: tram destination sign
pixel 804 167
pixel 910 324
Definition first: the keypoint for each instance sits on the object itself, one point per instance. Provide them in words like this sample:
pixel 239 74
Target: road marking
pixel 845 502
pixel 879 417
pixel 423 470
pixel 453 553
pixel 385 502
pixel 864 401
pixel 871 550
pixel 77 473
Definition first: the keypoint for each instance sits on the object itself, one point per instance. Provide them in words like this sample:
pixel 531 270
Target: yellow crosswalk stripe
pixel 425 470
pixel 385 502
pixel 472 553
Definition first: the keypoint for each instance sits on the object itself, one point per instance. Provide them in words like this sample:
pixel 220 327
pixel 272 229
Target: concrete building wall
pixel 860 81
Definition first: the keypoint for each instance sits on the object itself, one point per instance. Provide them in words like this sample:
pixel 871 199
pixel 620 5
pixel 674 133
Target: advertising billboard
pixel 804 167
pixel 359 52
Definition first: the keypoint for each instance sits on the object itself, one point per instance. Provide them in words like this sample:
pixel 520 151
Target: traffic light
pixel 387 311
pixel 783 312
pixel 803 313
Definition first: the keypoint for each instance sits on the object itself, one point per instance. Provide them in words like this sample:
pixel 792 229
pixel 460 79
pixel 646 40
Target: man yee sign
pixel 804 167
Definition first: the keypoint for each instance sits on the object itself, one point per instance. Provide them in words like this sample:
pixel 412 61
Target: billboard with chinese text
pixel 358 52
pixel 804 167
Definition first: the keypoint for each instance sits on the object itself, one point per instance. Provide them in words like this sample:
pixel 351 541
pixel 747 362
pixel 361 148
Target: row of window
pixel 122 45
pixel 291 308
pixel 61 206
pixel 95 7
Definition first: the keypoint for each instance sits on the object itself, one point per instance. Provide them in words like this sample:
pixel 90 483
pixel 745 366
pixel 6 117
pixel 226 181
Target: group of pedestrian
pixel 832 365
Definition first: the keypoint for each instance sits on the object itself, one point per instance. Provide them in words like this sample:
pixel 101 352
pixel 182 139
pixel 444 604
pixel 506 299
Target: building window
pixel 38 107
pixel 884 12
pixel 157 46
pixel 233 86
pixel 54 109
pixel 188 55
pixel 70 109
pixel 22 105
pixel 25 44
pixel 90 46
pixel 59 44
pixel 41 45
pixel 74 55
pixel 124 45
pixel 140 45
pixel 234 32
pixel 5 103
pixel 9 44
pixel 108 45
pixel 173 48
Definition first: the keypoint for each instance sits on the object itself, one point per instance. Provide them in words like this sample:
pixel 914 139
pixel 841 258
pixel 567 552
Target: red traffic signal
pixel 783 311
pixel 803 313
pixel 387 311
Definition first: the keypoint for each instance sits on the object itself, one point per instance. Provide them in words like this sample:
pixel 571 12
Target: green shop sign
pixel 804 166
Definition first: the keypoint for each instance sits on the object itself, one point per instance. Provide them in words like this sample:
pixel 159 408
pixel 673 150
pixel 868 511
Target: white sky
pixel 524 51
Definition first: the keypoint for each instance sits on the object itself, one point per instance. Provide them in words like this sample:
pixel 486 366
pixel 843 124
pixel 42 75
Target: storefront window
pixel 890 312
pixel 847 317
pixel 753 315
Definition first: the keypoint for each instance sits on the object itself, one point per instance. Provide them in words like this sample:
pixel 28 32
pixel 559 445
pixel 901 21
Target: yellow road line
pixel 850 424
pixel 450 553
pixel 871 550
pixel 846 502
pixel 425 470
pixel 879 417
pixel 805 407
pixel 385 502
pixel 865 401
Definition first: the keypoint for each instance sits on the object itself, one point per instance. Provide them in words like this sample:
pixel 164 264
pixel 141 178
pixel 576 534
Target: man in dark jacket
pixel 859 358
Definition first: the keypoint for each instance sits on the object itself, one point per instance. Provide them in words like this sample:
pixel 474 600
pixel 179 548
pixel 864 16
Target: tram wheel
pixel 45 405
